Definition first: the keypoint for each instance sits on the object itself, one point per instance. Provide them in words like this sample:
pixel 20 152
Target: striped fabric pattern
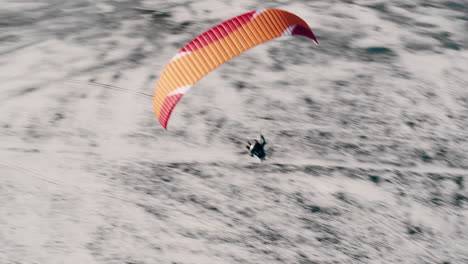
pixel 216 46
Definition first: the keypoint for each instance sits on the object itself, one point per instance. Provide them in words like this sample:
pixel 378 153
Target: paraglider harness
pixel 257 149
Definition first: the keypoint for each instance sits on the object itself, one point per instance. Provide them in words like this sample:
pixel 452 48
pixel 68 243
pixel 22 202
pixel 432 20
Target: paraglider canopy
pixel 218 45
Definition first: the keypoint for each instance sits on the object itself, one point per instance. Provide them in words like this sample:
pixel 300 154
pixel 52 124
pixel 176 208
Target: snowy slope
pixel 367 136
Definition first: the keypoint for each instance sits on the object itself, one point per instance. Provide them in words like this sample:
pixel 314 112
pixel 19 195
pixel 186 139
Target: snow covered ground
pixel 367 136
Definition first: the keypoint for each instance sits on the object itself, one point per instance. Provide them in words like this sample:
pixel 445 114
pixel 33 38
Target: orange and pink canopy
pixel 218 45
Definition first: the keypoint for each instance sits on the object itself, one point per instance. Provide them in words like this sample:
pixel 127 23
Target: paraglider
pixel 218 45
pixel 257 148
